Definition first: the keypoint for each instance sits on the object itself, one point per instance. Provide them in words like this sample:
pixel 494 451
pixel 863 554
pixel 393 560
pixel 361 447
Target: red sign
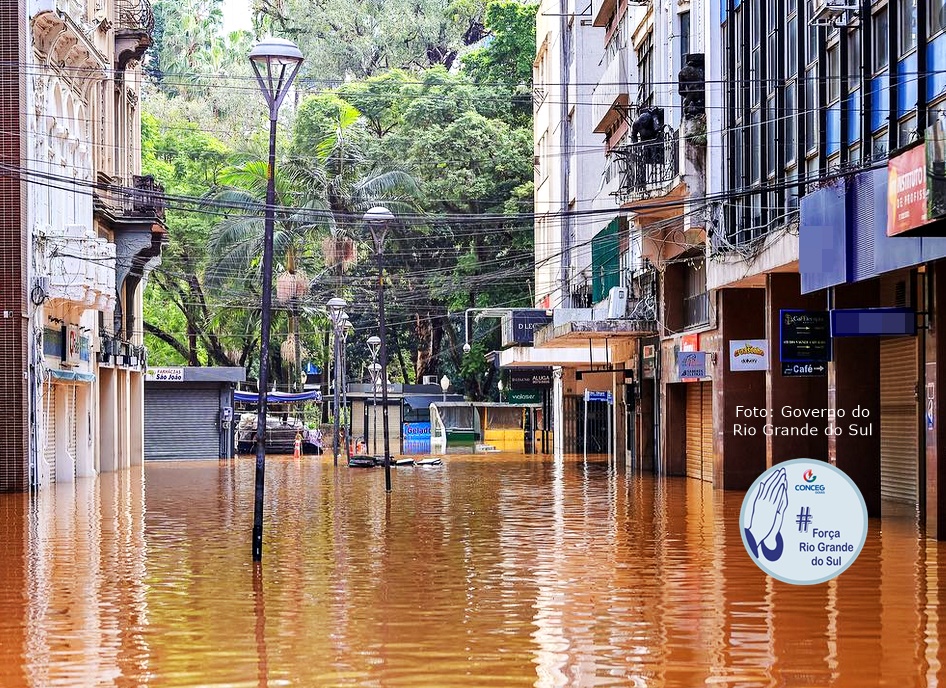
pixel 690 342
pixel 906 191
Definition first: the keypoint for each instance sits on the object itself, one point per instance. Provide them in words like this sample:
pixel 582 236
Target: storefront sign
pixel 748 354
pixel 520 326
pixel 805 336
pixel 73 345
pixel 861 322
pixel 691 364
pixel 906 191
pixel 416 437
pixel 530 378
pixel 527 396
pixel 804 369
pixel 165 374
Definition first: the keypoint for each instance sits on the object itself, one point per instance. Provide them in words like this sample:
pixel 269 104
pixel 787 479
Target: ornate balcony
pixel 647 168
pixel 134 27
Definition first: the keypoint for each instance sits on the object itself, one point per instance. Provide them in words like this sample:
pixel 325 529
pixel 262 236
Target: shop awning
pixel 278 397
pixel 70 375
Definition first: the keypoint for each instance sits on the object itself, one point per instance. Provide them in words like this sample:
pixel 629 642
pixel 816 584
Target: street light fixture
pixel 499 386
pixel 336 308
pixel 445 385
pixel 374 345
pixel 377 219
pixel 276 62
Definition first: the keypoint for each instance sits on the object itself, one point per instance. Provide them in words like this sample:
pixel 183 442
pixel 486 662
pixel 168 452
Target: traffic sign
pixel 598 396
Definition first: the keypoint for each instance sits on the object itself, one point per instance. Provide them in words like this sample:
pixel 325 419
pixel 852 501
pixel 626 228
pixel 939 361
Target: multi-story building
pixel 829 119
pixel 80 231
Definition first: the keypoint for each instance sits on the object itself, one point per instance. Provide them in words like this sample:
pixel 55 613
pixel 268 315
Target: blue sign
pixel 859 322
pixel 598 396
pixel 691 364
pixel 416 438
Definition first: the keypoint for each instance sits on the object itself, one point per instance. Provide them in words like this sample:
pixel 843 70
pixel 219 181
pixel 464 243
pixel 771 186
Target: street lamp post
pixel 377 219
pixel 336 306
pixel 374 344
pixel 343 344
pixel 445 385
pixel 275 62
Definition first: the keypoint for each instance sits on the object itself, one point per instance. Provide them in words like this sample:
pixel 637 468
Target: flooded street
pixel 487 571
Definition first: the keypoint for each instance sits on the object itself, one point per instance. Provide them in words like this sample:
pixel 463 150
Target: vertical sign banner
pixel 73 346
pixel 906 191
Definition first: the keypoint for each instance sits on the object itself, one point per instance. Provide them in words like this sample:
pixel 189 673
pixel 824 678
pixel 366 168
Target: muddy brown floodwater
pixel 488 571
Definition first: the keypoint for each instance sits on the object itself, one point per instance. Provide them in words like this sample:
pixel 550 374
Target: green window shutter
pixel 605 260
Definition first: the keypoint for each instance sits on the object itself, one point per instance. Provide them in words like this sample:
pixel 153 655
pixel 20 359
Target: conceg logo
pixel 809 485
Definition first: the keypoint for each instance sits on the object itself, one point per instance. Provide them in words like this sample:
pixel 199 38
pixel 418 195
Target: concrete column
pixel 108 423
pixel 65 462
pixel 784 291
pixel 85 459
pixel 854 380
pixel 739 453
pixel 558 414
pixel 934 400
pixel 122 417
pixel 136 422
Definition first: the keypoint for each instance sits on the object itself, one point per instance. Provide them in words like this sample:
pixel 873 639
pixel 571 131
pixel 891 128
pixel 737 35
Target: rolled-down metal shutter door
pixel 694 430
pixel 899 429
pixel 49 408
pixel 181 422
pixel 707 430
pixel 73 420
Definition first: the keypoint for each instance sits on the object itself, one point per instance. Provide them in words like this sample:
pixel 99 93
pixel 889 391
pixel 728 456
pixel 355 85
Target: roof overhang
pixel 532 357
pixel 573 334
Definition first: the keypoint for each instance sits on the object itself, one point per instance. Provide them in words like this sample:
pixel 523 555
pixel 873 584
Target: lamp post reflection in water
pixel 275 62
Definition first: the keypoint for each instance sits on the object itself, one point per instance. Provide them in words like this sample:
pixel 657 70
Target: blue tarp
pixel 278 397
pixel 71 375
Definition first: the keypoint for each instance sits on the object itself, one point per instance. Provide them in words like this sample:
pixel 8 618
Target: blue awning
pixel 278 397
pixel 71 375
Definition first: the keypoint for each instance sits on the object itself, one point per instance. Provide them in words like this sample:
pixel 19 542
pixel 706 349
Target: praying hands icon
pixel 763 532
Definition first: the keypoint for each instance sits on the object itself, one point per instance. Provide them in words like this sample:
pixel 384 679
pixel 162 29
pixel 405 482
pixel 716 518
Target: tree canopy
pixel 445 142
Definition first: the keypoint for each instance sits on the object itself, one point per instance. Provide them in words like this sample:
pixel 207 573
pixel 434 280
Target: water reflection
pixel 490 570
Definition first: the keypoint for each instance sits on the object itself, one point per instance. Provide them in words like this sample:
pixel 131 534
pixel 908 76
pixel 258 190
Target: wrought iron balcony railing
pixel 147 197
pixel 134 15
pixel 646 167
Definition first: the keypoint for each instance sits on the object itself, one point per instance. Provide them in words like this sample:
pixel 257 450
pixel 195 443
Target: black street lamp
pixel 275 62
pixel 374 344
pixel 336 308
pixel 377 219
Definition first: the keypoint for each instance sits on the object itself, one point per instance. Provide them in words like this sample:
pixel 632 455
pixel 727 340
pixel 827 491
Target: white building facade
pixel 85 233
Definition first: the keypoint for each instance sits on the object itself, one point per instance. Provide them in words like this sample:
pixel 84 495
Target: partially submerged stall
pixel 468 427
pixel 287 415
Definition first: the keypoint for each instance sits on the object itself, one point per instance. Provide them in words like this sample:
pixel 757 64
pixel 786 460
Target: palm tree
pixel 317 195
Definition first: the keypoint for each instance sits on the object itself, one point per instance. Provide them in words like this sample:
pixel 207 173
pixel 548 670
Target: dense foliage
pixel 445 143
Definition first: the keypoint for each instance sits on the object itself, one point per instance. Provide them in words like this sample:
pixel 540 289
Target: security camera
pixel 466 348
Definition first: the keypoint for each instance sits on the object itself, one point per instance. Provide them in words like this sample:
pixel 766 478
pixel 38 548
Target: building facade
pixel 81 231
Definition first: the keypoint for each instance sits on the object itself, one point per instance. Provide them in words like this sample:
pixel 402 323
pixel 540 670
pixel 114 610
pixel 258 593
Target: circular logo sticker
pixel 803 521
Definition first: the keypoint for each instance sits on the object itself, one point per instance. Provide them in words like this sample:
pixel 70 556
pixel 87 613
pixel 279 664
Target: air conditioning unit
pixel 430 380
pixel 617 302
